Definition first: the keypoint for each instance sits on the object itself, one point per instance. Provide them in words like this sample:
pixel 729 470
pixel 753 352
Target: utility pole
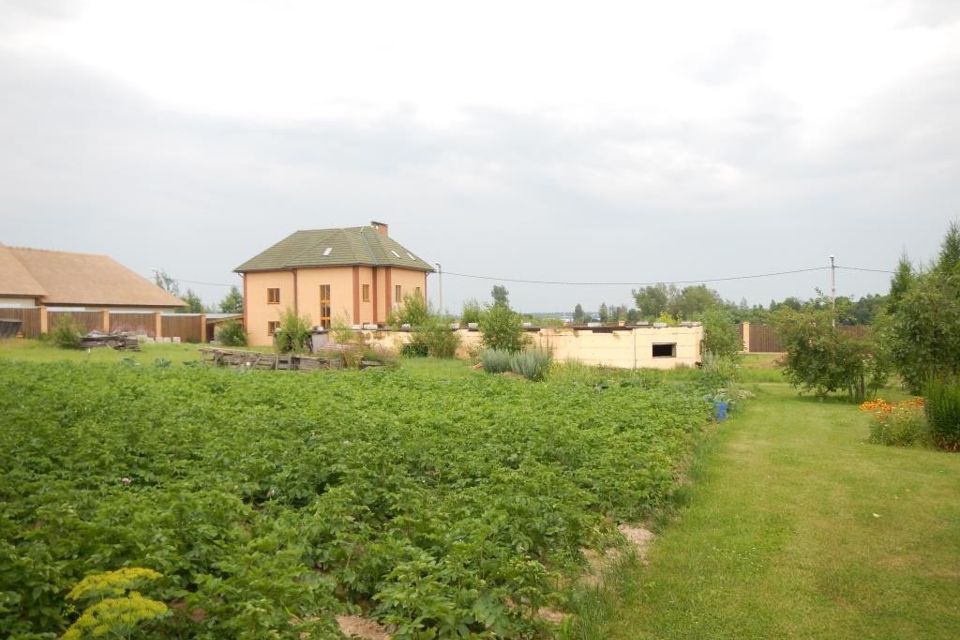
pixel 440 276
pixel 833 290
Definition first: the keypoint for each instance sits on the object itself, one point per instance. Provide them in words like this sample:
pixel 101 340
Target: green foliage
pixel 653 300
pixel 604 313
pixel 942 406
pixel 193 303
pixel 414 312
pixel 495 360
pixel 293 333
pixel 502 329
pixel 472 312
pixel 500 295
pixel 67 333
pixel 823 360
pixel 721 335
pixel 232 302
pixel 901 426
pixel 434 338
pixel 532 364
pixel 579 316
pixel 232 334
pixel 924 326
pixel 271 503
pixel 115 610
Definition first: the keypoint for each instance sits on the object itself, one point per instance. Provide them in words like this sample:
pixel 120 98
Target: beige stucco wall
pixel 627 349
pixel 408 281
pixel 256 310
pixel 344 290
pixel 340 280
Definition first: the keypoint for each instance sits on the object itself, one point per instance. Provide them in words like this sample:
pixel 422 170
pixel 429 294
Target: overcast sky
pixel 601 142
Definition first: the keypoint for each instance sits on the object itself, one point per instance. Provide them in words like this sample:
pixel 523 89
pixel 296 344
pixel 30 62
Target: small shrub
pixel 495 360
pixel 472 312
pixel 502 329
pixel 292 335
pixel 231 334
pixel 414 312
pixel 532 365
pixel 902 424
pixel 943 411
pixel 434 338
pixel 67 334
pixel 415 349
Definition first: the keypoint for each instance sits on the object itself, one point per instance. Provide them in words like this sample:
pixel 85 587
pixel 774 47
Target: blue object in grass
pixel 720 410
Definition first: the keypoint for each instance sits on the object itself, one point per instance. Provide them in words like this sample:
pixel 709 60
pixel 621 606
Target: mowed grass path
pixel 797 528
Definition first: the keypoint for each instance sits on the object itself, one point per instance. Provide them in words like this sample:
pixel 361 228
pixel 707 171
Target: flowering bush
pixel 902 423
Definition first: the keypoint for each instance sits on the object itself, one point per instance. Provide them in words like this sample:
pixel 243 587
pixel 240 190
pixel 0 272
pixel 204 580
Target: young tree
pixel 721 337
pixel 500 295
pixel 924 324
pixel 604 312
pixel 193 302
pixel 578 315
pixel 232 302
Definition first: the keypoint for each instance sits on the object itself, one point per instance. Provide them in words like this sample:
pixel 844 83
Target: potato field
pixel 270 502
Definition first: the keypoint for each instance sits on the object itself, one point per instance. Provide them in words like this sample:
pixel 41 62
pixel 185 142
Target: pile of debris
pixel 120 340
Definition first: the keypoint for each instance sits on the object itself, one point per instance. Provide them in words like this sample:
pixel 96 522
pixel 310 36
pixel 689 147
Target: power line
pixel 210 284
pixel 865 269
pixel 635 284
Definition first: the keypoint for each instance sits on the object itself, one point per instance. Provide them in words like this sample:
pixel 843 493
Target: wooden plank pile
pixel 120 340
pixel 266 361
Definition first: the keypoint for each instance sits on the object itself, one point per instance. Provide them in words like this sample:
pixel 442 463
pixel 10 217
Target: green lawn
pixel 37 351
pixel 794 527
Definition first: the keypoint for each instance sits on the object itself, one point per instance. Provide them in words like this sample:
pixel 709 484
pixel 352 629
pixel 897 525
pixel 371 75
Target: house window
pixel 366 293
pixel 272 327
pixel 665 350
pixel 325 306
pixel 417 293
pixel 273 296
pixel 397 294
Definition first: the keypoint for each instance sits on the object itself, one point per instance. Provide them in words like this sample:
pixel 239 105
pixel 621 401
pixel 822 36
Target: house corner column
pixel 105 320
pixel 746 337
pixel 157 325
pixel 44 320
pixel 203 328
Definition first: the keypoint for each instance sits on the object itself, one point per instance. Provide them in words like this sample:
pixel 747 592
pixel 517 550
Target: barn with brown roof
pixel 78 281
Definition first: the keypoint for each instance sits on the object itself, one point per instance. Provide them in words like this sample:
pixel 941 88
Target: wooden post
pixel 44 321
pixel 157 325
pixel 105 320
pixel 203 327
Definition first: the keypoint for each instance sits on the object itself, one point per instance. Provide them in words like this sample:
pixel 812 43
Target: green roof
pixel 335 248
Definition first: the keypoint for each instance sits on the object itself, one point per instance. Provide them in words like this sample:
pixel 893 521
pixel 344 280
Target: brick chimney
pixel 381 227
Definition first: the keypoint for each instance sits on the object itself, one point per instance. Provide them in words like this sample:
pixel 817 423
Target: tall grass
pixel 942 407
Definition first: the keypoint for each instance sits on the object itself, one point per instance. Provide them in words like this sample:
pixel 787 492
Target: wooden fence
pixel 29 317
pixel 86 320
pixel 139 323
pixel 187 326
pixel 762 338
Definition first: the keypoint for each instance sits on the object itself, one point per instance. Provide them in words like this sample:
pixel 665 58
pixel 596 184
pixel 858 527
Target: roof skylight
pixel 394 253
pixel 411 255
pixel 327 251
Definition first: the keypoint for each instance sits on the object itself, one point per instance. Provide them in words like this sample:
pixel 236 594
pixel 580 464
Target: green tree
pixel 502 329
pixel 653 300
pixel 924 324
pixel 500 295
pixel 693 301
pixel 193 302
pixel 824 360
pixel 232 302
pixel 604 312
pixel 721 336
pixel 578 315
pixel 472 311
pixel 414 311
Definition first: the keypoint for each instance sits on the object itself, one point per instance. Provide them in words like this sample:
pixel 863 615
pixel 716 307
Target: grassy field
pixel 36 351
pixel 796 528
